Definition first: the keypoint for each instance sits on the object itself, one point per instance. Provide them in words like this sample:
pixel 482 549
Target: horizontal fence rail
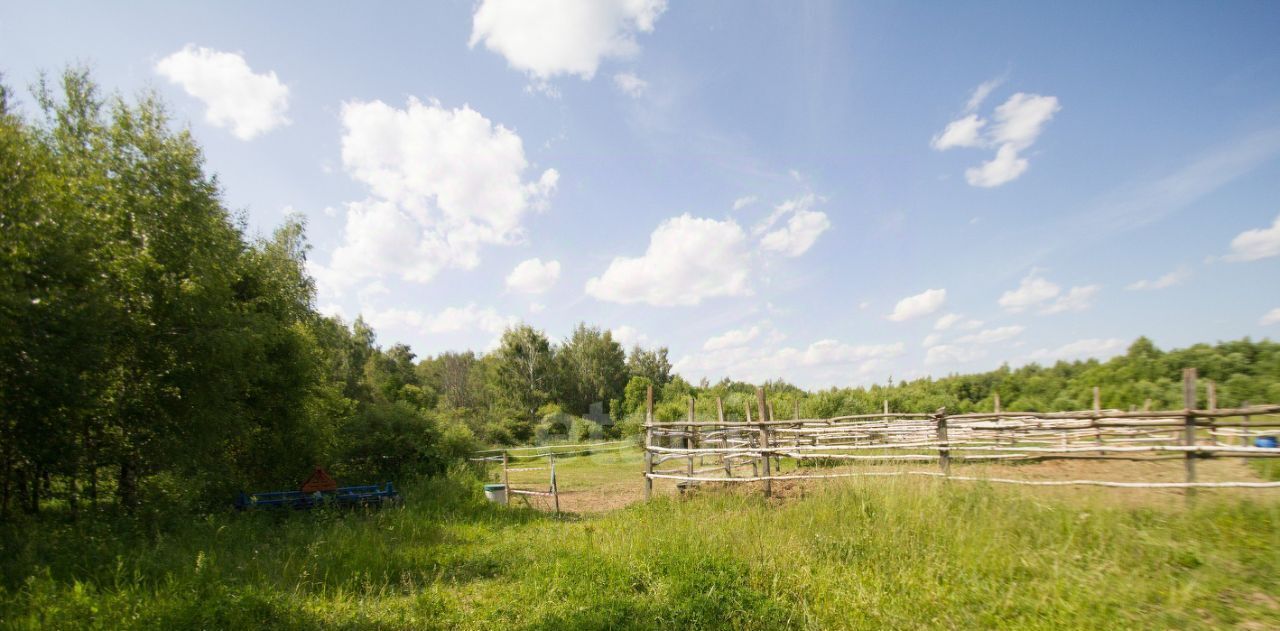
pixel 719 451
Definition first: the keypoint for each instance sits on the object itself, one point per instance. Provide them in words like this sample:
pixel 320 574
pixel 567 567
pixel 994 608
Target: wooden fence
pixel 720 451
pixel 518 455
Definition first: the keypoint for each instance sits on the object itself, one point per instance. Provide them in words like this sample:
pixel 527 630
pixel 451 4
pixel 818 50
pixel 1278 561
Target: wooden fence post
pixel 944 448
pixel 1189 429
pixel 648 443
pixel 1211 396
pixel 777 460
pixel 688 437
pixel 764 441
pixel 506 479
pixel 555 486
pixel 1244 426
pixel 728 463
pixel 1097 412
pixel 755 462
pixel 995 406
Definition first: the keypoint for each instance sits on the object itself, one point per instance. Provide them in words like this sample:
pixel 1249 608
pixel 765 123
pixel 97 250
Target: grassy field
pixel 883 553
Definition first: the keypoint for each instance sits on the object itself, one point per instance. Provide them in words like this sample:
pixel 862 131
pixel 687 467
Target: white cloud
pixel 1260 243
pixel 689 259
pixel 629 84
pixel 981 93
pixel 1271 317
pixel 921 304
pixel 744 201
pixel 628 336
pixel 234 95
pixel 532 276
pixel 443 182
pixel 1168 280
pixel 450 320
pixel 547 38
pixel 956 320
pixel 537 307
pixel 1002 169
pixel 825 352
pixel 1019 121
pixel 930 340
pixel 333 310
pixel 962 132
pixel 802 229
pixel 821 363
pixel 1036 291
pixel 947 321
pixel 1092 347
pixel 1033 290
pixel 1076 299
pixel 1015 126
pixel 862 306
pixel 992 336
pixel 952 354
pixel 732 339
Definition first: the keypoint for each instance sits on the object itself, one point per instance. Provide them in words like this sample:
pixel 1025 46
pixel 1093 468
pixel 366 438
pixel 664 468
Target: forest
pixel 155 353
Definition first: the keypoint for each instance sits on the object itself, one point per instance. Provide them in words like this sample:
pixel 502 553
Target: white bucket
pixel 496 493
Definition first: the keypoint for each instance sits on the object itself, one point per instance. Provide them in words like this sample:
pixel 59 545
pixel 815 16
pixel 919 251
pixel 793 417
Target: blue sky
pixel 812 191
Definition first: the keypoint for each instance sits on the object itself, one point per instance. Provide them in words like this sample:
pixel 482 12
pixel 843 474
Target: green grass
pixel 884 553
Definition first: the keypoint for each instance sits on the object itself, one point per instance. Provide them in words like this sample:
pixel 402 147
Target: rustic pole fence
pixel 955 440
pixel 648 442
pixel 1189 431
pixel 944 449
pixel 764 442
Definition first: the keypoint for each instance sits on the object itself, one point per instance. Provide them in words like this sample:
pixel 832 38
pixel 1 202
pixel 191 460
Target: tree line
pixel 152 350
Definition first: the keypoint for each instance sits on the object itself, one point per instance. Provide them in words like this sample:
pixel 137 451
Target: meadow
pixel 857 554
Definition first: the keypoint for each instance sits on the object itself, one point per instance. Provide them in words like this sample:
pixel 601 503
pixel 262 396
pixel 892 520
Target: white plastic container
pixel 496 493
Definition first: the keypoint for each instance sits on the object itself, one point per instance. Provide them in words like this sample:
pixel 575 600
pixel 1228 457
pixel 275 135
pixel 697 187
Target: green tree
pixel 592 368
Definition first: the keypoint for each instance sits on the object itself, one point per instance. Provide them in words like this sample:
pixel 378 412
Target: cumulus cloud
pixel 1036 291
pixel 629 84
pixel 921 304
pixel 532 276
pixel 689 259
pixel 449 320
pixel 962 132
pixel 234 95
pixel 1260 243
pixel 443 183
pixel 1076 299
pixel 547 38
pixel 1168 280
pixel 1014 127
pixel 628 336
pixel 744 201
pixel 956 320
pixel 1079 349
pixel 1271 317
pixel 1005 167
pixel 732 339
pixel 802 228
pixel 952 354
pixel 992 336
pixel 930 340
pixel 824 362
pixel 1032 290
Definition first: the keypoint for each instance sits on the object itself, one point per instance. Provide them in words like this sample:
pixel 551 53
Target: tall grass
pixel 884 553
